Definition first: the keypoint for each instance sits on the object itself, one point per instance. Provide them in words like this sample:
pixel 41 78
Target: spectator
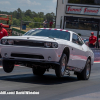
pixel 45 24
pixel 3 32
pixel 50 24
pixel 92 40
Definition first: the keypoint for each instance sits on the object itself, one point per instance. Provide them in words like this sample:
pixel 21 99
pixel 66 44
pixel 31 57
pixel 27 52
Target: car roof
pixel 52 29
pixel 71 32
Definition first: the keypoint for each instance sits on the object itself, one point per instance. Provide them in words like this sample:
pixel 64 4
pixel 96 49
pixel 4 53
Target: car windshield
pixel 49 33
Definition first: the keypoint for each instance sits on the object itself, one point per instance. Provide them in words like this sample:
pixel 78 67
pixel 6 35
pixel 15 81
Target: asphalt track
pixel 49 86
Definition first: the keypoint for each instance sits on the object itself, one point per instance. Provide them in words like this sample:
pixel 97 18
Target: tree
pixel 27 18
pixel 16 22
pixel 19 12
pixel 34 14
pixel 41 14
pixel 49 16
pixel 37 22
pixel 28 13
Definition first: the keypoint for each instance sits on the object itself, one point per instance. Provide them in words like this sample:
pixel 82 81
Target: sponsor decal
pixel 83 10
pixel 74 10
pixel 91 10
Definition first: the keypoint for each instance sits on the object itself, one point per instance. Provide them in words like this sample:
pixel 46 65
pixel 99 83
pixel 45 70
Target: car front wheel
pixel 60 69
pixel 85 74
pixel 7 66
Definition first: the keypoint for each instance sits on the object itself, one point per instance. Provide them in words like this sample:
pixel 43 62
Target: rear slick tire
pixel 85 74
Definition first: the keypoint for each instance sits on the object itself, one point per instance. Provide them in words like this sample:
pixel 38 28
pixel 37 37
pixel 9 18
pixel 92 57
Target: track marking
pixel 96 61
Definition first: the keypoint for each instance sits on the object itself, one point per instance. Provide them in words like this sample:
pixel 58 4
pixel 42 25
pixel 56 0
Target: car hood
pixel 36 38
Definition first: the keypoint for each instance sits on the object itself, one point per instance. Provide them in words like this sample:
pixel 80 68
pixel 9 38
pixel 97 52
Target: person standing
pixel 92 40
pixel 50 24
pixel 3 32
pixel 45 24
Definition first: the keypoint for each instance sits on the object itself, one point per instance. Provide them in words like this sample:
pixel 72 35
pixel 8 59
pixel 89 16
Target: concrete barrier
pixel 96 54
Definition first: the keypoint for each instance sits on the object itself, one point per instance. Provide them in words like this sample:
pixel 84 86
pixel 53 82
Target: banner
pixel 83 10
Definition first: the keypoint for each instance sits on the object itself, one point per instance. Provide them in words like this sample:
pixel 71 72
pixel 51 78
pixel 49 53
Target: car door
pixel 78 56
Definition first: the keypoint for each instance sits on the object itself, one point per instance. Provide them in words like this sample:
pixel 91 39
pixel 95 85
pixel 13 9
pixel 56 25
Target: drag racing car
pixel 44 48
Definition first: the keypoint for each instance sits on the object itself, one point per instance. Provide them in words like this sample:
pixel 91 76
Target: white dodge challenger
pixel 44 48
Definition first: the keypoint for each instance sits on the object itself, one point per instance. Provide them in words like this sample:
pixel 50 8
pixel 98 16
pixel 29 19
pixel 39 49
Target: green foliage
pixel 31 25
pixel 16 22
pixel 30 18
pixel 37 19
pixel 27 18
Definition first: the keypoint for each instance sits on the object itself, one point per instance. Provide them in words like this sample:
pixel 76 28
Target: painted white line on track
pixel 96 62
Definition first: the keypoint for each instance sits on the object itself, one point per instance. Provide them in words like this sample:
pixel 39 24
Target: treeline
pixel 31 18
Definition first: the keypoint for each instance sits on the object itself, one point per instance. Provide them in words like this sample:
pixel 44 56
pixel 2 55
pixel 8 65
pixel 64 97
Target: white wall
pixel 60 12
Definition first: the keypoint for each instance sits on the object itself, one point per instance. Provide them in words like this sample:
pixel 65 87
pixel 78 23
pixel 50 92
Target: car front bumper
pixel 48 54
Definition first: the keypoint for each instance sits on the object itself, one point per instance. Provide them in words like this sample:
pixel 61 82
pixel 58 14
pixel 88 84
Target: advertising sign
pixel 83 10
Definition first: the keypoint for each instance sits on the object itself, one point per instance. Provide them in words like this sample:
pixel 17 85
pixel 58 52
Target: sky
pixel 46 6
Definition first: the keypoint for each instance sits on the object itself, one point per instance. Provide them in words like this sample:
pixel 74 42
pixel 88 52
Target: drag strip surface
pixel 48 86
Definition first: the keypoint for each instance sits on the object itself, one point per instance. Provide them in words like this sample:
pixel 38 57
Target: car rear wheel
pixel 38 71
pixel 8 66
pixel 60 69
pixel 85 74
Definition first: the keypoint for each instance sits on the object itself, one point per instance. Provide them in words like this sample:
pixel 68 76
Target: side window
pixel 80 41
pixel 76 39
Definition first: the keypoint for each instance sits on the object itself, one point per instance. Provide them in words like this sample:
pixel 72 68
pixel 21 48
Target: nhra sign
pixel 83 10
